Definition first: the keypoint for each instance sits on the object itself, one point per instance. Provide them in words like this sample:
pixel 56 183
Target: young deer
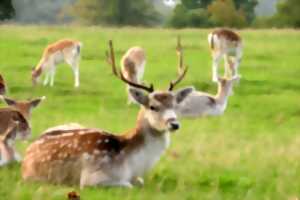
pixel 2 85
pixel 95 157
pixel 24 107
pixel 133 67
pixel 67 51
pixel 17 128
pixel 18 111
pixel 228 44
pixel 199 104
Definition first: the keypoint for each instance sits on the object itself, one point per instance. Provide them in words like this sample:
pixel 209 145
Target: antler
pixel 111 60
pixel 182 69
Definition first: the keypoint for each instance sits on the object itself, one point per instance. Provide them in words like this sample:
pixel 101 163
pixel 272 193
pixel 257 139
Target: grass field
pixel 251 152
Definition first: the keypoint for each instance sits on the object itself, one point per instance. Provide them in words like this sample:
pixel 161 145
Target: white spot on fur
pixel 96 152
pixel 106 140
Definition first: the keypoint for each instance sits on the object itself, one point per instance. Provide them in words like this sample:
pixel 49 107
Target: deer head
pixel 24 107
pixel 158 107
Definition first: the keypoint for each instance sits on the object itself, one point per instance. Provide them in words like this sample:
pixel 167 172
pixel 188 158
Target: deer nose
pixel 174 126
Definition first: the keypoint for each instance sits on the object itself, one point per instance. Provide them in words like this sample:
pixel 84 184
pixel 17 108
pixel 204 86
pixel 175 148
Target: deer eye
pixel 153 108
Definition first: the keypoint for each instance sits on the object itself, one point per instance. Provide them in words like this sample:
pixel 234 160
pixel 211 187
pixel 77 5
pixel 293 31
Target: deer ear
pixel 183 93
pixel 9 101
pixel 35 102
pixel 139 96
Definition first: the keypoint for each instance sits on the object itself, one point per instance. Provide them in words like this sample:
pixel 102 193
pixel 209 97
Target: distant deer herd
pixel 75 155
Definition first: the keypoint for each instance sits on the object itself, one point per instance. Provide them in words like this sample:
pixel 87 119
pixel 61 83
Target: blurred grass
pixel 251 152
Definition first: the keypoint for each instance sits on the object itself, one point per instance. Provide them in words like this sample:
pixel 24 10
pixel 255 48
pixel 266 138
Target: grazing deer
pixel 2 85
pixel 228 44
pixel 67 51
pixel 95 157
pixel 133 67
pixel 16 127
pixel 199 104
pixel 19 112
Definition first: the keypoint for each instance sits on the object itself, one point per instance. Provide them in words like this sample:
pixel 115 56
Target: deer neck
pixel 144 135
pixel 222 95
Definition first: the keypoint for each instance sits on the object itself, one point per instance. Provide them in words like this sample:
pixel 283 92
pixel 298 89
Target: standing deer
pixel 65 50
pixel 14 124
pixel 228 44
pixel 2 85
pixel 199 104
pixel 133 67
pixel 95 157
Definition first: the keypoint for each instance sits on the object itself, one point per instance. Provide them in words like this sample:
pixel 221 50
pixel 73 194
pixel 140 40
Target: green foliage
pixel 6 9
pixel 184 17
pixel 224 13
pixel 205 13
pixel 247 7
pixel 288 14
pixel 115 12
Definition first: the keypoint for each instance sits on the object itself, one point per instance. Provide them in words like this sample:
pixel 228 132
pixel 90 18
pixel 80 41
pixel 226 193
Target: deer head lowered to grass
pixel 91 157
pixel 14 124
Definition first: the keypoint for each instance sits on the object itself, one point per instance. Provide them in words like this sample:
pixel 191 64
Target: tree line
pixel 189 13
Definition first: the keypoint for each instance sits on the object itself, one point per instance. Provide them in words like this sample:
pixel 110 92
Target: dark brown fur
pixel 228 34
pixel 2 85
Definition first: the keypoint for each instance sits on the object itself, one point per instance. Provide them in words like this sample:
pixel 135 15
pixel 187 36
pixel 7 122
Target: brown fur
pixel 2 85
pixel 8 115
pixel 227 34
pixel 130 62
pixel 52 48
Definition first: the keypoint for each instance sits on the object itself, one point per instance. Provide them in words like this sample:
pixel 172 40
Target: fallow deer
pixel 2 85
pixel 65 50
pixel 91 157
pixel 20 112
pixel 24 107
pixel 133 67
pixel 17 128
pixel 199 104
pixel 228 44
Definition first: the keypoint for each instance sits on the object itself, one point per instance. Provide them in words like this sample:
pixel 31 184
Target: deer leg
pixel 76 75
pixel 227 66
pixel 7 153
pixel 52 75
pixel 216 60
pixel 46 80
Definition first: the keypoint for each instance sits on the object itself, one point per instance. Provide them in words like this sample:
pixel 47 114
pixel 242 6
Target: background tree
pixel 6 9
pixel 288 14
pixel 224 13
pixel 117 12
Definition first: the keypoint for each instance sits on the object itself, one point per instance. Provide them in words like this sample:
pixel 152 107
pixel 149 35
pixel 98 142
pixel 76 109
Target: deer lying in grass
pixel 199 104
pixel 67 51
pixel 2 85
pixel 228 44
pixel 95 157
pixel 133 67
pixel 14 124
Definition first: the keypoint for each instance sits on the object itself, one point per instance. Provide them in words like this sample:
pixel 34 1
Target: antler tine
pixel 179 54
pixel 182 69
pixel 120 75
pixel 179 78
pixel 111 58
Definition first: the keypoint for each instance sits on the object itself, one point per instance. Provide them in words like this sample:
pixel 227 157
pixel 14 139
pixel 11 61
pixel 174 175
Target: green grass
pixel 251 152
